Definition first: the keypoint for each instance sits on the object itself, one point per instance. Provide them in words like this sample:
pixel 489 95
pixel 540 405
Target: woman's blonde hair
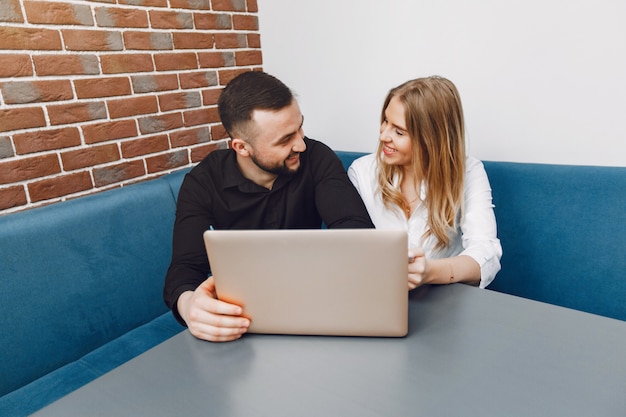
pixel 434 121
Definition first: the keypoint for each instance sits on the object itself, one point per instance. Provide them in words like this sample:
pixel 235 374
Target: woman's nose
pixel 384 134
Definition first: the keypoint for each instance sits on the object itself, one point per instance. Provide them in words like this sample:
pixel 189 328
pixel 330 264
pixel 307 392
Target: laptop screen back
pixel 350 282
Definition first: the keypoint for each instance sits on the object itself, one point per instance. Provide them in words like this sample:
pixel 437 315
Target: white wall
pixel 540 80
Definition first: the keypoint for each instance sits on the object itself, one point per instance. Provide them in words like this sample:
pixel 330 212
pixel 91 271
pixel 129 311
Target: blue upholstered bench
pixel 563 234
pixel 81 289
pixel 81 281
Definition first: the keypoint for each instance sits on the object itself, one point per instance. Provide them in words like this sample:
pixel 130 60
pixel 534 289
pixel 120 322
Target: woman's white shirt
pixel 476 235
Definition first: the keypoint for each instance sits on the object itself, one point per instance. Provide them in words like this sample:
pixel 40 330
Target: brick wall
pixel 100 94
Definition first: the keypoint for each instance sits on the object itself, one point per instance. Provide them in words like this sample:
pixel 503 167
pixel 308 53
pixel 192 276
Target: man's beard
pixel 278 168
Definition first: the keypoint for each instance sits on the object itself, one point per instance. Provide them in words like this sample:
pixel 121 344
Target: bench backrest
pixel 563 234
pixel 77 274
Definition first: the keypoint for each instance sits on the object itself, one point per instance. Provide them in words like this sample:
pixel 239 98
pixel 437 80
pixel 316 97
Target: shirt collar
pixel 233 177
pixel 232 174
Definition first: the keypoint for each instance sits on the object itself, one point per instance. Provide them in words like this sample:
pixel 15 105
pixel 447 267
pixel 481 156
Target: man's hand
pixel 209 318
pixel 418 268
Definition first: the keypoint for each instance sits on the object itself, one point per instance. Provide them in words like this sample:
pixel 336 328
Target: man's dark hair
pixel 249 91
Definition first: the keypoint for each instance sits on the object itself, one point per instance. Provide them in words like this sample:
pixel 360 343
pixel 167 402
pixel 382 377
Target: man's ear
pixel 240 146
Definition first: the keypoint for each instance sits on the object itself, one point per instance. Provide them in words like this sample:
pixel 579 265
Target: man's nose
pixel 299 145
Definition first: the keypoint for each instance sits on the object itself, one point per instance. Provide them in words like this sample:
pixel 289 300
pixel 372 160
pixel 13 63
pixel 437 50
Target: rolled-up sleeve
pixel 478 223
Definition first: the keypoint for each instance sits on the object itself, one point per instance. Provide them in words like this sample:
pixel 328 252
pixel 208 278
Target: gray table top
pixel 469 352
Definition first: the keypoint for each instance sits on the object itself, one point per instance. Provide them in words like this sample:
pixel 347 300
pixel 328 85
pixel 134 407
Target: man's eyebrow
pixel 289 135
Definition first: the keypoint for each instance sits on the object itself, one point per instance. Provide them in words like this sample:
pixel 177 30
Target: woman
pixel 421 180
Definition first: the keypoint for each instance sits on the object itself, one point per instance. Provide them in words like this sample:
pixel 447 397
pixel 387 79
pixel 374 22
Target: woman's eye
pixel 399 133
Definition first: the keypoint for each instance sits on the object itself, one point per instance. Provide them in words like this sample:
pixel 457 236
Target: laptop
pixel 340 282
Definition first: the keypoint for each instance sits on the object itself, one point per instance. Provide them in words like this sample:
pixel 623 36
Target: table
pixel 469 352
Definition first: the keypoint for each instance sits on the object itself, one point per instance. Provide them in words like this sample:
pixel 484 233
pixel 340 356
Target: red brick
pixel 188 137
pixel 148 40
pixel 230 40
pixel 21 118
pixel 57 13
pixel 15 65
pixel 216 59
pixel 119 17
pixel 218 132
pixel 252 6
pixel 28 38
pixel 132 106
pixel 154 83
pixel 226 76
pixel 191 4
pixel 92 40
pixel 21 92
pixel 118 173
pixel 213 21
pixel 11 12
pixel 254 40
pixel 60 186
pixel 167 161
pixel 198 153
pixel 193 40
pixel 201 116
pixel 245 22
pixel 76 112
pixel 245 58
pixel 176 101
pixel 102 87
pixel 91 156
pixel 28 168
pixel 198 79
pixel 176 61
pixel 12 197
pixel 229 5
pixel 145 3
pixel 161 123
pixel 66 65
pixel 145 146
pixel 170 20
pixel 125 62
pixel 46 140
pixel 210 97
pixel 101 132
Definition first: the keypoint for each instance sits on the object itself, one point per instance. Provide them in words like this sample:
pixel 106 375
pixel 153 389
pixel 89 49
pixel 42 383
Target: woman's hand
pixel 418 268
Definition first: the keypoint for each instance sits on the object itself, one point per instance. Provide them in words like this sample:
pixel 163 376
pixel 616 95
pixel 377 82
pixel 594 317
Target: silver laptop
pixel 348 282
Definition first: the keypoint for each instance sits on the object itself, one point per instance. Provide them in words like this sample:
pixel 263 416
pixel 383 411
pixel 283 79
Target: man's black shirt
pixel 216 194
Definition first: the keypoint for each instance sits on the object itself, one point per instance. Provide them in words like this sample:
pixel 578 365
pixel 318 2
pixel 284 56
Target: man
pixel 273 177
